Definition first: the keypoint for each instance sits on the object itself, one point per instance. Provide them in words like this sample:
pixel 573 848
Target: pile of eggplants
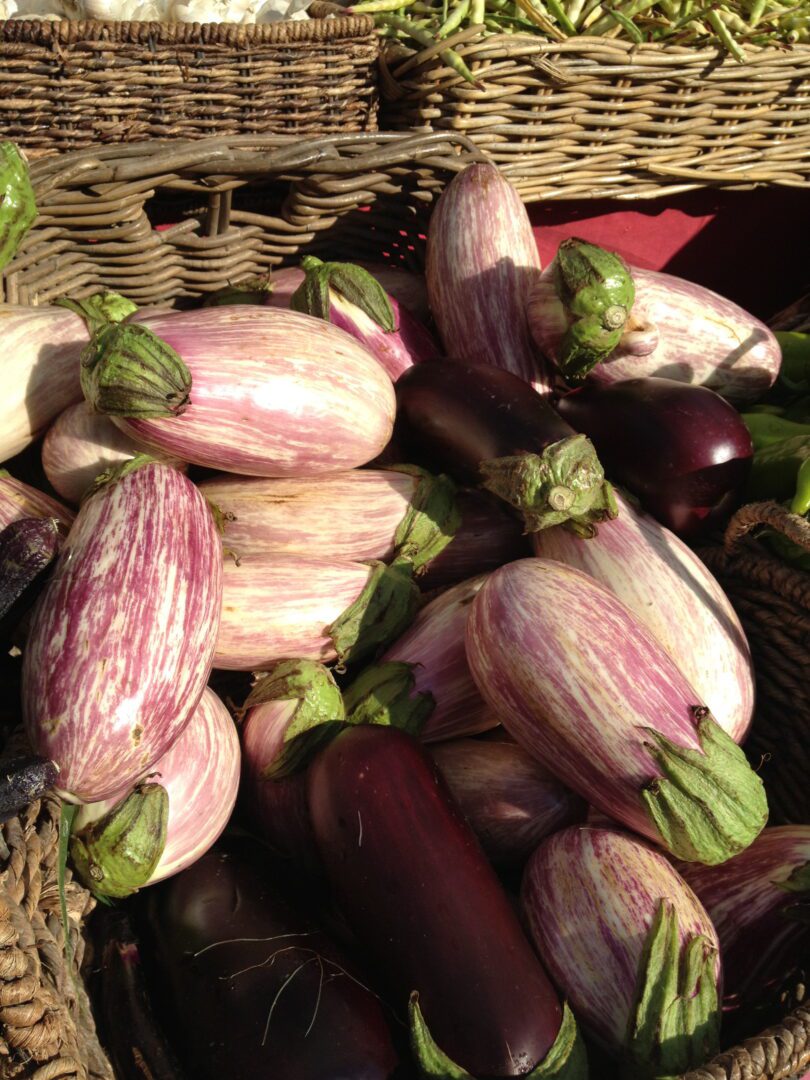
pixel 358 619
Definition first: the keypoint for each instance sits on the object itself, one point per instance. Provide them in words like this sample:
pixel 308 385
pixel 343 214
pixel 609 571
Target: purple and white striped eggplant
pixel 351 298
pixel 672 592
pixel 371 513
pixel 511 801
pixel 123 636
pixel 19 500
pixel 288 605
pixel 676 330
pixel 423 682
pixel 200 775
pixel 583 685
pixel 79 445
pixel 243 389
pixel 752 900
pixel 629 946
pixel 482 262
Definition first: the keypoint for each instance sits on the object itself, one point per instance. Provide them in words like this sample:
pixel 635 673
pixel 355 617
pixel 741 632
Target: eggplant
pixel 511 801
pixel 79 445
pixel 200 776
pixel 274 393
pixel 672 592
pixel 754 901
pixel 582 685
pixel 487 427
pixel 244 964
pixel 482 262
pixel 122 637
pixel 132 1034
pixel 629 945
pixel 19 500
pixel 678 330
pixel 418 893
pixel 422 682
pixel 350 297
pixel 287 605
pixel 27 549
pixel 373 514
pixel 22 780
pixel 682 450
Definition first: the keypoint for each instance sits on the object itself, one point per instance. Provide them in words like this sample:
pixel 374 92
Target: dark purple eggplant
pixel 484 426
pixel 22 780
pixel 27 548
pixel 682 450
pixel 258 990
pixel 417 891
pixel 132 1036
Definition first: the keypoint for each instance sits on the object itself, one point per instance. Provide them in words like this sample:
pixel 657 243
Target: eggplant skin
pixel 123 636
pixel 257 989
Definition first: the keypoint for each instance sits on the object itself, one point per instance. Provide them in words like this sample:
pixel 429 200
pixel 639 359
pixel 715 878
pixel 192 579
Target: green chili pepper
pixel 795 370
pixel 801 496
pixel 775 469
pixel 766 429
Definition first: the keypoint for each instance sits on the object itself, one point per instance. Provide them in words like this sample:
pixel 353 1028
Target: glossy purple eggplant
pixel 681 449
pixel 484 426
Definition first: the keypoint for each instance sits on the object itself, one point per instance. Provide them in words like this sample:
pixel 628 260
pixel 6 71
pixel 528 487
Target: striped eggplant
pixel 350 297
pixel 752 900
pixel 123 636
pixel 200 774
pixel 423 682
pixel 372 514
pixel 482 262
pixel 676 330
pixel 19 500
pixel 671 591
pixel 583 685
pixel 629 946
pixel 41 351
pixel 511 801
pixel 288 605
pixel 79 445
pixel 242 389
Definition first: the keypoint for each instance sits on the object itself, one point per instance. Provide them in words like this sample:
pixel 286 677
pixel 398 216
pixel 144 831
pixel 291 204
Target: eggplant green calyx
pixel 353 283
pixel 799 880
pixel 596 289
pixel 708 804
pixel 565 485
pixel 318 716
pixel 251 291
pixel 18 208
pixel 100 310
pixel 384 694
pixel 381 612
pixel 430 522
pixel 117 855
pixel 128 371
pixel 675 1025
pixel 566 1060
pixel 117 472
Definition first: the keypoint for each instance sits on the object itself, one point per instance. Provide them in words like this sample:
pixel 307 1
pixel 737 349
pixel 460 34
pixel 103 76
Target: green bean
pixel 630 28
pixel 725 36
pixel 424 37
pixel 559 13
pixel 477 12
pixel 454 19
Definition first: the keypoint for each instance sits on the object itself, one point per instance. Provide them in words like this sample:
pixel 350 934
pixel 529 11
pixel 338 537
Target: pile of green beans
pixel 730 24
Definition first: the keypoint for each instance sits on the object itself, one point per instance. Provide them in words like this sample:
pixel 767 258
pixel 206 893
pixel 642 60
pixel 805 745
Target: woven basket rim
pixel 74 32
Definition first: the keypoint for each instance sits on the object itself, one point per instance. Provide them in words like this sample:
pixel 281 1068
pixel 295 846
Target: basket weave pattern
pixel 68 85
pixel 591 117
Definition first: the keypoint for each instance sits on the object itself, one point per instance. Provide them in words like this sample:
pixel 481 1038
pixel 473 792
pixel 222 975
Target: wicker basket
pixel 591 117
pixel 166 221
pixel 67 85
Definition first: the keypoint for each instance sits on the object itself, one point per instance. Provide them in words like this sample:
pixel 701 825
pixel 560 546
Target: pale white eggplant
pixel 511 801
pixel 753 900
pixel 79 445
pixel 122 638
pixel 357 515
pixel 482 262
pixel 288 605
pixel 676 330
pixel 251 390
pixel 422 682
pixel 200 774
pixel 19 500
pixel 630 947
pixel 677 598
pixel 584 686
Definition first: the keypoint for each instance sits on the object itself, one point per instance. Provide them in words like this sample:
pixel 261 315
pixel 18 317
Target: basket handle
pixel 770 513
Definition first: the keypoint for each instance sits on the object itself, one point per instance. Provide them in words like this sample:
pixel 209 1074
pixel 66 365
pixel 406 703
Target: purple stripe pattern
pixel 19 500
